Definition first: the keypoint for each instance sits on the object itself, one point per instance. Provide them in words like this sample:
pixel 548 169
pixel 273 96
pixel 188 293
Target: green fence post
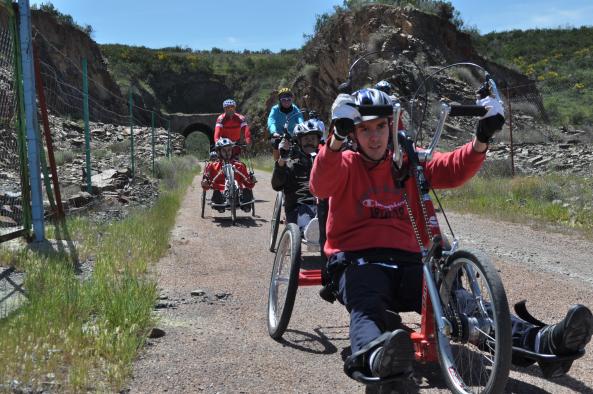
pixel 132 132
pixel 168 139
pixel 152 139
pixel 87 132
pixel 21 133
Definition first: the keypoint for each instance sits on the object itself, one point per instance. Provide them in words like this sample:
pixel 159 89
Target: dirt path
pixel 218 342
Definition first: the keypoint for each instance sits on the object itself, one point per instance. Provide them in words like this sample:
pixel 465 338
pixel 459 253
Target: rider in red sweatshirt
pixel 372 245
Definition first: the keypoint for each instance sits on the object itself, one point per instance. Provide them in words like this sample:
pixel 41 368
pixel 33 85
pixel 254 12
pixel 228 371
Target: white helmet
pixel 310 126
pixel 362 105
pixel 229 103
pixel 222 142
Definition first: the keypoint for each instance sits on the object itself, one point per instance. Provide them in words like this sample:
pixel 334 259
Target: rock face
pixel 408 37
pixel 61 49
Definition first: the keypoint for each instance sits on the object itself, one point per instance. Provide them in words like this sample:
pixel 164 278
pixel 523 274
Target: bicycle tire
pixel 203 202
pixel 233 203
pixel 486 327
pixel 253 208
pixel 280 308
pixel 275 222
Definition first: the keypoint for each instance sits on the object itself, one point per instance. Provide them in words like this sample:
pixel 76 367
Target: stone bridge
pixel 185 124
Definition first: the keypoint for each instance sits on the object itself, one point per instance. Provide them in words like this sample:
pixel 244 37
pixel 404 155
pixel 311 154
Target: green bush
pixel 168 170
pixel 63 156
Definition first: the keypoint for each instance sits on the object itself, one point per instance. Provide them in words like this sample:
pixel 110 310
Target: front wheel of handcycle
pixel 475 353
pixel 284 281
pixel 203 202
pixel 275 222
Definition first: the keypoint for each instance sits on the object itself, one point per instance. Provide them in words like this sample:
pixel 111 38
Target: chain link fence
pixel 13 213
pixel 118 148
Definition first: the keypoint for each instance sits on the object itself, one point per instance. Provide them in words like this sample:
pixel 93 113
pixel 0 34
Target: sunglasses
pixel 286 98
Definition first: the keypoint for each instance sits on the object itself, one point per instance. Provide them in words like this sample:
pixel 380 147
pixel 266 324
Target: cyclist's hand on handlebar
pixel 205 183
pixel 284 144
pixel 344 112
pixel 492 121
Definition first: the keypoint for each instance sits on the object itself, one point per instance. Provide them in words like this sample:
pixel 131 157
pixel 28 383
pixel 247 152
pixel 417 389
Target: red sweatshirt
pixel 213 172
pixel 231 128
pixel 366 210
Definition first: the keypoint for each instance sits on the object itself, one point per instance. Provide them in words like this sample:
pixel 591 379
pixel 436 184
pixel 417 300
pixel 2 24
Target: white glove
pixel 284 144
pixel 493 106
pixel 345 108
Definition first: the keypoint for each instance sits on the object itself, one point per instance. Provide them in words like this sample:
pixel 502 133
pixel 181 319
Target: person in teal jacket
pixel 279 114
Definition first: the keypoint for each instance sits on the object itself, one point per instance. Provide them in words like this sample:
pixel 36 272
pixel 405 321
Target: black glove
pixel 492 121
pixel 343 127
pixel 484 91
pixel 488 126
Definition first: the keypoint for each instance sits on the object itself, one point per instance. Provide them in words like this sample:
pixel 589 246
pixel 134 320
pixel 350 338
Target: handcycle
pixel 465 319
pixel 230 193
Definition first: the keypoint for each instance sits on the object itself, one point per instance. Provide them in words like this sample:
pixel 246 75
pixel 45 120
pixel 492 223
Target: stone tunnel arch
pixel 202 128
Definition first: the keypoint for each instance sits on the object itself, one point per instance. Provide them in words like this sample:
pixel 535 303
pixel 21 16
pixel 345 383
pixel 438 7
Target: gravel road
pixel 217 342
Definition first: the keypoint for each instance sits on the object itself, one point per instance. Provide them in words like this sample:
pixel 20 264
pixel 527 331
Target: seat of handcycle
pixel 311 235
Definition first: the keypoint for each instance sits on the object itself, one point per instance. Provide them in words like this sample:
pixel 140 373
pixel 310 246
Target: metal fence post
pixel 152 115
pixel 31 120
pixel 168 138
pixel 511 132
pixel 131 102
pixel 87 132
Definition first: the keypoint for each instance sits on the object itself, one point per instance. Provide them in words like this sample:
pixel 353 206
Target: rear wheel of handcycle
pixel 275 222
pixel 284 281
pixel 203 202
pixel 475 356
pixel 253 208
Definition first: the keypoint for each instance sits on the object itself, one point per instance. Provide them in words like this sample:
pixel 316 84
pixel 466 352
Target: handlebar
pixel 467 110
pixel 446 110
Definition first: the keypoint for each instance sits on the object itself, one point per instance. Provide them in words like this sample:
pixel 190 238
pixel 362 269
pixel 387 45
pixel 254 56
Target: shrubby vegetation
pixel 559 60
pixel 443 9
pixel 249 75
pixel 62 18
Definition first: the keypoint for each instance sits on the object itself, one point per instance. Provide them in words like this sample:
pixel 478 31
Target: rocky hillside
pixel 61 49
pixel 407 36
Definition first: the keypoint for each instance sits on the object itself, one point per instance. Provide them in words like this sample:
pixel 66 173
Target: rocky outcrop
pixel 61 50
pixel 411 40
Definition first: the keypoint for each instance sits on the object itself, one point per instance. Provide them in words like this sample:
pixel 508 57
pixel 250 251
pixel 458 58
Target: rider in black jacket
pixel 291 174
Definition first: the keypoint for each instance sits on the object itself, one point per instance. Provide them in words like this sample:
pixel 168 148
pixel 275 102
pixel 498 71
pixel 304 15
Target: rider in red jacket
pixel 374 247
pixel 232 125
pixel 213 177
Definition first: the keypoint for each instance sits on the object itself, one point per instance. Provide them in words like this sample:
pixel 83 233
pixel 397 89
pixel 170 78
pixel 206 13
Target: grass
pixel 561 200
pixel 263 162
pixel 63 156
pixel 120 147
pixel 77 335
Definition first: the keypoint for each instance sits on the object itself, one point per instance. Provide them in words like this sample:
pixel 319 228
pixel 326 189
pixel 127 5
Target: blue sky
pixel 278 24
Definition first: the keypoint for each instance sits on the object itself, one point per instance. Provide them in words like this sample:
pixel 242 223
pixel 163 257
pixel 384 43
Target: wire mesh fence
pixel 119 145
pixel 12 294
pixel 12 213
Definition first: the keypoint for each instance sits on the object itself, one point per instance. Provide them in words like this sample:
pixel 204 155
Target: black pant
pixel 368 291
